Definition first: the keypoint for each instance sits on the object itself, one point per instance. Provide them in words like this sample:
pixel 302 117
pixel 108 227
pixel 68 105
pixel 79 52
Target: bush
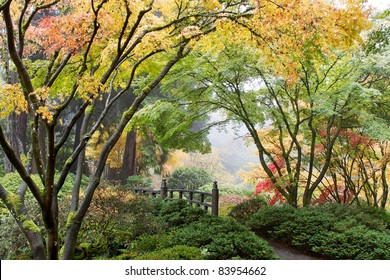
pixel 227 189
pixel 268 218
pixel 227 202
pixel 335 231
pixel 372 217
pixel 12 181
pixel 242 212
pixel 223 239
pixel 139 182
pixel 130 216
pixel 178 212
pixel 178 252
pixel 189 178
pixel 14 244
pixel 214 238
pixel 355 243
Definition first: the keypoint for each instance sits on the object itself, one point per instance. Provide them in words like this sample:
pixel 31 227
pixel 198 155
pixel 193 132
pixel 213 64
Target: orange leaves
pixel 67 33
pixel 11 100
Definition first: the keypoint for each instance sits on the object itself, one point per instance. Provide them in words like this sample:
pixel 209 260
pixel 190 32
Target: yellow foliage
pixel 286 32
pixel 41 93
pixel 211 4
pixel 96 144
pixel 253 176
pixel 11 100
pixel 190 31
pixel 89 88
pixel 298 29
pixel 45 113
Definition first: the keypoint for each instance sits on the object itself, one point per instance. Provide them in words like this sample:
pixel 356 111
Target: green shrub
pixel 130 216
pixel 178 212
pixel 179 252
pixel 372 217
pixel 215 238
pixel 14 244
pixel 139 182
pixel 223 239
pixel 243 211
pixel 227 202
pixel 150 243
pixel 335 231
pixel 189 178
pixel 12 181
pixel 355 243
pixel 266 219
pixel 227 189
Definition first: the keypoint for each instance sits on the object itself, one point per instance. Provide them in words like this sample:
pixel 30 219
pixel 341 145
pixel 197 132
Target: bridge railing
pixel 193 197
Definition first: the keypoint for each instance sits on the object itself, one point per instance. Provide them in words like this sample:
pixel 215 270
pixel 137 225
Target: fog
pixel 233 144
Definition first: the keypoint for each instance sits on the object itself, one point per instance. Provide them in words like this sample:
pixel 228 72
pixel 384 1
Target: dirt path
pixel 289 253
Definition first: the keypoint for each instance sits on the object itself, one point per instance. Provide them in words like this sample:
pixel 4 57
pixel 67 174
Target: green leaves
pixel 173 125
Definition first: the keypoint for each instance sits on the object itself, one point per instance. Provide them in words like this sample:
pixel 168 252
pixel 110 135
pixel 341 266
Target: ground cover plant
pixel 195 234
pixel 122 225
pixel 334 231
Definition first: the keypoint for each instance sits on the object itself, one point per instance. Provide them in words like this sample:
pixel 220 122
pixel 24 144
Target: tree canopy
pixel 71 69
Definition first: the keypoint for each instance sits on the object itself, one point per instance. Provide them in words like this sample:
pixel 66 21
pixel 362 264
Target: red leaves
pixel 267 186
pixel 335 194
pixel 264 186
pixel 279 163
pixel 350 137
pixel 68 33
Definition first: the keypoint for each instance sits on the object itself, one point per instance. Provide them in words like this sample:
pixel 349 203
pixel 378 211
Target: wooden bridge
pixel 193 197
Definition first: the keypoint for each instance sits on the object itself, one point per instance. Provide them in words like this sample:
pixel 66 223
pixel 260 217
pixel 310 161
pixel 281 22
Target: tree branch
pixel 9 152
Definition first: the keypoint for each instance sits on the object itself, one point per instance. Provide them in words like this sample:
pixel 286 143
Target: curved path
pixel 289 253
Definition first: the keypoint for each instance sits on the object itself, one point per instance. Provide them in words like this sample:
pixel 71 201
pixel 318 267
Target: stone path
pixel 289 253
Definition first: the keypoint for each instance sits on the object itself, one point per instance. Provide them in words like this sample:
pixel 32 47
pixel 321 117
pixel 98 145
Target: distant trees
pixel 190 178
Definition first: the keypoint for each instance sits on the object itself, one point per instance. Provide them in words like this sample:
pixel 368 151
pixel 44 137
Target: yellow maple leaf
pixel 12 100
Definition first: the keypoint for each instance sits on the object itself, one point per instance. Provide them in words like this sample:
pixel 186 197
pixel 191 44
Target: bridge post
pixel 164 189
pixel 215 199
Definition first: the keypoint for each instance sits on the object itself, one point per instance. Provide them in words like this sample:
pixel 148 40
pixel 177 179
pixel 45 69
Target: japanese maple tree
pixel 71 56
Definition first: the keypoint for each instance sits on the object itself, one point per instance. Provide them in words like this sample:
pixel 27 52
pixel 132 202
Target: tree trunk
pixel 385 186
pixel 17 137
pixel 76 221
pixel 80 165
pixel 307 196
pixel 129 157
pixel 27 226
pixel 112 173
pixel 42 148
pixel 77 138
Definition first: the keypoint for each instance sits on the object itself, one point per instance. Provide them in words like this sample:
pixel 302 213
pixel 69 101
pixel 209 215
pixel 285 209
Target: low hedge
pixel 215 238
pixel 334 231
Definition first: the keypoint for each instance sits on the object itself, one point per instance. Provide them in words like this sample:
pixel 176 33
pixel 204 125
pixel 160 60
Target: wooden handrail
pixel 167 194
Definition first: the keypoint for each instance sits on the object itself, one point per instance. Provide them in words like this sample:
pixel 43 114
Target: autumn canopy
pixel 76 72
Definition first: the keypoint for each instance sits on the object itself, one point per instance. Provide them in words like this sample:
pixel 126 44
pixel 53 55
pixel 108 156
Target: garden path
pixel 286 252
